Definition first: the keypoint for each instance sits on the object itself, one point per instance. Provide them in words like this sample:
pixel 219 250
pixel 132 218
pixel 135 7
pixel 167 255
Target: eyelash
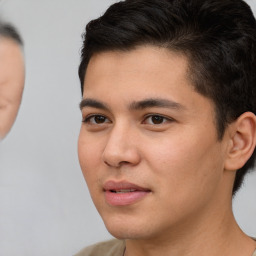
pixel 164 119
pixel 88 119
pixel 159 118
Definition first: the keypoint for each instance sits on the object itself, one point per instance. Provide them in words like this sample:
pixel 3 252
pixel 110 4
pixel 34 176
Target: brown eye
pixel 156 119
pixel 96 119
pixel 99 119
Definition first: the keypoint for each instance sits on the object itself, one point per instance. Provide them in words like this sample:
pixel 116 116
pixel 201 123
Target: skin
pixel 173 151
pixel 12 76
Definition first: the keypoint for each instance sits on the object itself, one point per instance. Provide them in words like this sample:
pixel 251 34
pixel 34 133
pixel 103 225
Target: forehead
pixel 11 60
pixel 9 47
pixel 145 64
pixel 138 72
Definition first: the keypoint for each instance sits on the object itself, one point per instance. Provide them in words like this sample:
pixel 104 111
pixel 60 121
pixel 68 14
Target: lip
pixel 123 193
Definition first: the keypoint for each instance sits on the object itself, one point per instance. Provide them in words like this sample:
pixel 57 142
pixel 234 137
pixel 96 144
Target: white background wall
pixel 45 208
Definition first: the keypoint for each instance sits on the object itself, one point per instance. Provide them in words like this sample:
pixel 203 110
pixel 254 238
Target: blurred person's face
pixel 148 144
pixel 12 73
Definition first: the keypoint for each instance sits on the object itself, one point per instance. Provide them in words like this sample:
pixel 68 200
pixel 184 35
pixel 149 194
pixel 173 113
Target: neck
pixel 211 235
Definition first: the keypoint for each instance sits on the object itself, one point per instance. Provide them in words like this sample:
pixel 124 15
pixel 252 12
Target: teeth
pixel 124 191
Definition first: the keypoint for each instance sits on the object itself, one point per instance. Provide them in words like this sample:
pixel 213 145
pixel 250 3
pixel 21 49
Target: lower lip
pixel 121 199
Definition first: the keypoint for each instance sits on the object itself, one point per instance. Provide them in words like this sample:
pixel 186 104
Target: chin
pixel 127 229
pixel 124 234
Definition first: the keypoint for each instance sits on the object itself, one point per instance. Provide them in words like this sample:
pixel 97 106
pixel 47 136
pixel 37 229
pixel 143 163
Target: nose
pixel 121 148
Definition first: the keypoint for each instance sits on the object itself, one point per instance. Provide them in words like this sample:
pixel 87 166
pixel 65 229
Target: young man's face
pixel 148 145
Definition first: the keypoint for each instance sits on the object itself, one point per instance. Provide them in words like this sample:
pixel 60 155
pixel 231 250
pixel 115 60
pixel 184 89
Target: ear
pixel 242 141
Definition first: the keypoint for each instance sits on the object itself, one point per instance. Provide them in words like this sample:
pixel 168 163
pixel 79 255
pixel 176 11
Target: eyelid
pixel 87 118
pixel 167 119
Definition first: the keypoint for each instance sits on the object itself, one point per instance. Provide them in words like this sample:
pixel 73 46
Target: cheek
pixel 88 154
pixel 89 159
pixel 186 165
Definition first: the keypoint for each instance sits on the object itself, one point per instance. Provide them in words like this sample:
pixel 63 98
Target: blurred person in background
pixel 12 76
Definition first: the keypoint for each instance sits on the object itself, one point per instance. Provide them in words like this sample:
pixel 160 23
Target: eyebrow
pixel 92 103
pixel 136 105
pixel 155 102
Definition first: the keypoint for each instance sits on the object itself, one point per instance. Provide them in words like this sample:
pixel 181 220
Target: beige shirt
pixel 110 248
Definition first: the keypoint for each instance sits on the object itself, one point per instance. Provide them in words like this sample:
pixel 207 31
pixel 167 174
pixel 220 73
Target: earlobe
pixel 242 141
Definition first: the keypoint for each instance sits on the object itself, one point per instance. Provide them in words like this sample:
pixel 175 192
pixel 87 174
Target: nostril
pixel 123 163
pixel 105 162
pixel 116 165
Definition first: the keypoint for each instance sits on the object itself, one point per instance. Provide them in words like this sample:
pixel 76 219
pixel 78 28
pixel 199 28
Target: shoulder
pixel 109 248
pixel 254 254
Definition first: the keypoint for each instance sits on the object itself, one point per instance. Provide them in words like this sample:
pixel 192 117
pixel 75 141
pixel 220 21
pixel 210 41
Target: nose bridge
pixel 121 146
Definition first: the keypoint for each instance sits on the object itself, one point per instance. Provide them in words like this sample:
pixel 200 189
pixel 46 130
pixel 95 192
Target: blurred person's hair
pixel 10 32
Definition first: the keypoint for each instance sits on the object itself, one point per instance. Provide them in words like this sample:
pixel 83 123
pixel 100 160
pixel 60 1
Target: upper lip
pixel 122 185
